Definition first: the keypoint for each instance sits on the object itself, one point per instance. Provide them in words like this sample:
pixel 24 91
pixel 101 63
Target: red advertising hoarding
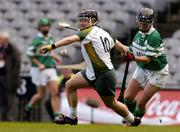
pixel 162 109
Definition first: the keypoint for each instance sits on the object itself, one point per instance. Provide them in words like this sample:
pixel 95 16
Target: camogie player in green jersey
pixel 152 67
pixel 43 72
pixel 99 73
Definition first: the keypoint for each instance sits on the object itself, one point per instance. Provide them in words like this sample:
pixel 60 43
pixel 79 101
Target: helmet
pixel 89 13
pixel 44 22
pixel 146 15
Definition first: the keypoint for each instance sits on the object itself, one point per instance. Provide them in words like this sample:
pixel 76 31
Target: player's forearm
pixel 82 64
pixel 66 41
pixel 120 47
pixel 144 59
pixel 55 57
pixel 35 61
pixel 62 42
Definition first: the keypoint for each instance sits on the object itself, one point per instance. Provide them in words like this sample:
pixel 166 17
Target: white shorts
pixel 156 78
pixel 43 77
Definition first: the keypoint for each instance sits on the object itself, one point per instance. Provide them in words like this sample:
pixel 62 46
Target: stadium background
pixel 19 18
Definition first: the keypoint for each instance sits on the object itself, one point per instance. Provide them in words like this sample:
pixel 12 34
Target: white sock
pixel 72 112
pixel 130 118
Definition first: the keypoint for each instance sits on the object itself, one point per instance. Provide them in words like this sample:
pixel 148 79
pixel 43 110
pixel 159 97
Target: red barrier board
pixel 162 109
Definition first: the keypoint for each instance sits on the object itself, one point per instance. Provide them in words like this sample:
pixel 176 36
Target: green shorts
pixel 105 82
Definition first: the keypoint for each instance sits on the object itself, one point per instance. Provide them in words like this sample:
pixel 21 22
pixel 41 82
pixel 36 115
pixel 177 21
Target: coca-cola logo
pixel 167 109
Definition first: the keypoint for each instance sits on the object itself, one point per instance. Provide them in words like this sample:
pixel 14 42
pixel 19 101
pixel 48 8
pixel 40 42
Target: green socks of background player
pixel 28 107
pixel 134 109
pixel 131 105
pixel 56 114
pixel 139 112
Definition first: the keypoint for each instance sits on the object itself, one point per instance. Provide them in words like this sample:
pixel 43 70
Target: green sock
pixel 56 114
pixel 139 112
pixel 28 107
pixel 131 105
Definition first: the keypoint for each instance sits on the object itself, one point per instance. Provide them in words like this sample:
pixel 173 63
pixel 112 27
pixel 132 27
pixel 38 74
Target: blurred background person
pixel 43 70
pixel 63 76
pixel 9 77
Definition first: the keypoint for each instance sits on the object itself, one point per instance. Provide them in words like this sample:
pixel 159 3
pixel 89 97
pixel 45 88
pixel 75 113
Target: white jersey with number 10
pixel 96 45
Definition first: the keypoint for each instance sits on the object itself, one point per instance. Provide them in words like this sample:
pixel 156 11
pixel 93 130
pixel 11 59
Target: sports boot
pixel 137 121
pixel 62 119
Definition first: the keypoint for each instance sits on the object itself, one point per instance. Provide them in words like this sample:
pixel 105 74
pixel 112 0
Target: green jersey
pixel 151 45
pixel 38 42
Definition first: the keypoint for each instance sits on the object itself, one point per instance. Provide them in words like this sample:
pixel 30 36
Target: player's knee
pixel 69 86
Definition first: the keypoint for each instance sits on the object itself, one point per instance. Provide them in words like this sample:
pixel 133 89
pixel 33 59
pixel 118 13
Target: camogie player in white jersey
pixel 99 73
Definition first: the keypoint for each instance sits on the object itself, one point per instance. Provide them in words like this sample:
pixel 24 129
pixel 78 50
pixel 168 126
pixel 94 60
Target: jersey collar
pixel 41 35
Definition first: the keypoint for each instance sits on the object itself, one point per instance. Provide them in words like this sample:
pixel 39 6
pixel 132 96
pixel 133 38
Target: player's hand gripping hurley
pixel 45 49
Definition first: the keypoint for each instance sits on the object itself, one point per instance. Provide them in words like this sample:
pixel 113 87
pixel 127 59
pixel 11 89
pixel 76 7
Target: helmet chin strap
pixel 45 33
pixel 93 23
pixel 144 31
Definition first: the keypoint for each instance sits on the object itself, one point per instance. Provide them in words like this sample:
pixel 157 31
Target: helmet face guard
pixel 83 18
pixel 44 25
pixel 145 15
pixel 145 19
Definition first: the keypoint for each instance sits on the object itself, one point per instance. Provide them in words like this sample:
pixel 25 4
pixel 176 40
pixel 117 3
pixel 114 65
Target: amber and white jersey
pixel 95 46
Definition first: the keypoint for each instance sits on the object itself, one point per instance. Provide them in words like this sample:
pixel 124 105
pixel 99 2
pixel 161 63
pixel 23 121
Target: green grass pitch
pixel 50 127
